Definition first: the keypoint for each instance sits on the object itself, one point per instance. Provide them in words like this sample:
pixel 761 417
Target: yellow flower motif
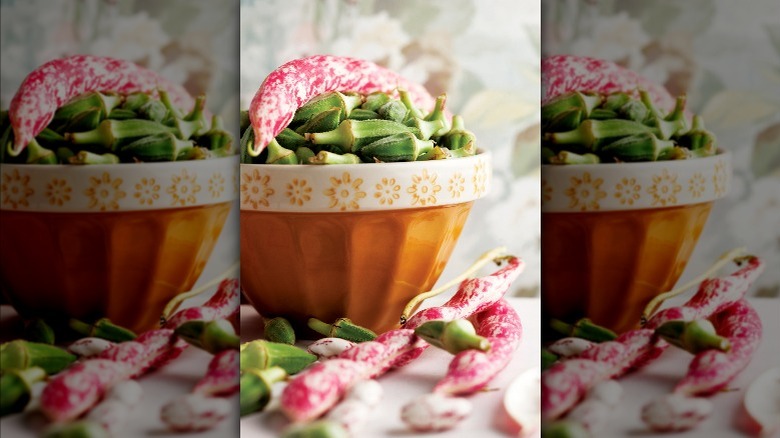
pixel 456 185
pixel 664 189
pixel 480 178
pixel 627 191
pixel 697 185
pixel 147 191
pixel 255 190
pixel 216 185
pixel 298 192
pixel 345 193
pixel 58 191
pixel 720 178
pixel 547 191
pixel 387 191
pixel 424 188
pixel 183 188
pixel 104 193
pixel 15 189
pixel 585 193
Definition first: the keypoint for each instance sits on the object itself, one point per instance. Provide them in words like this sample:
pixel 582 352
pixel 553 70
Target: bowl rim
pixel 635 186
pixel 311 188
pixel 70 188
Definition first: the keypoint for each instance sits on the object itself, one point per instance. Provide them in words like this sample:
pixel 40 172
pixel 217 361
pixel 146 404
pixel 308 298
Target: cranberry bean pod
pixel 221 378
pixel 293 84
pixel 471 370
pixel 56 82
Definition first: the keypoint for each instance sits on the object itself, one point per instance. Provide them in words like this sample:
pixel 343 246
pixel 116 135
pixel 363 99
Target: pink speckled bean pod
pixel 56 82
pixel 293 84
pixel 566 383
pixel 709 372
pixel 221 378
pixel 471 370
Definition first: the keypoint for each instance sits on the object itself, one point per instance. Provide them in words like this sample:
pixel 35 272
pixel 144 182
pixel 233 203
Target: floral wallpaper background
pixel 192 42
pixel 483 55
pixel 726 57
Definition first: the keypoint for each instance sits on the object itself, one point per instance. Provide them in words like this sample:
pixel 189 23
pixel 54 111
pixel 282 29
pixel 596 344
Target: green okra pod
pixel 325 101
pixel 304 155
pixel 247 138
pixel 38 330
pixel 279 330
pixel 102 328
pixel 50 138
pixel 327 157
pixel 16 387
pixel 326 120
pixel 105 102
pixel 112 134
pixel 393 110
pixel 173 110
pixel 134 101
pixel 64 154
pixel 548 358
pixel 452 336
pixel 569 157
pixel 565 102
pixel 256 387
pixel 438 113
pixel 164 146
pixel 153 110
pixel 565 429
pixel 592 134
pixel 584 328
pixel 667 127
pixel 458 136
pixel 693 336
pixel 633 110
pixel 290 139
pixel 120 114
pixel 698 138
pixel 262 354
pixel 317 429
pixel 403 146
pixel 87 157
pixel 644 146
pixel 212 336
pixel 279 155
pixel 351 135
pixel 602 114
pixel 216 137
pixel 243 120
pixel 406 99
pixel 375 100
pixel 21 354
pixel 363 114
pixel 342 328
pixel 425 129
pixel 614 101
pixel 77 429
pixel 84 121
pixel 37 154
pixel 565 120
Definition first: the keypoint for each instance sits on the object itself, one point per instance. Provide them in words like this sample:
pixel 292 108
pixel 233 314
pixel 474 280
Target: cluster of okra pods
pixel 96 110
pixel 717 325
pixel 331 387
pixel 89 388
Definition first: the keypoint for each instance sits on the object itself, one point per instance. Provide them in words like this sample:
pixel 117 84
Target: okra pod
pixel 256 388
pixel 458 136
pixel 37 330
pixel 86 157
pixel 104 102
pixel 16 385
pixel 134 101
pixel 114 133
pixel 438 114
pixel 102 328
pixel 216 138
pixel 21 354
pixel 584 328
pixel 119 114
pixel 326 120
pixel 317 429
pixel 602 114
pixel 342 328
pixel 279 330
pixel 262 354
pixel 375 100
pixel 548 358
pixel 326 101
pixel 568 101
pixel 351 135
pixel 63 154
pixel 212 336
pixel 290 139
pixel 304 155
pixel 326 157
pixel 406 99
pixel 77 429
pixel 84 121
pixel 633 110
pixel 363 114
pixel 403 146
pixel 243 120
pixel 279 155
pixel 37 154
pixel 592 134
pixel 157 147
pixel 698 137
pixel 614 101
pixel 665 128
pixel 565 120
pixel 153 110
pixel 693 336
pixel 452 336
pixel 165 98
pixel 393 110
pixel 426 129
pixel 644 146
pixel 50 137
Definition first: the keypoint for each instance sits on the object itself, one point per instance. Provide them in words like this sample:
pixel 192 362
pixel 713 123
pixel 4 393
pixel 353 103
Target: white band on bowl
pixel 634 186
pixel 118 187
pixel 364 187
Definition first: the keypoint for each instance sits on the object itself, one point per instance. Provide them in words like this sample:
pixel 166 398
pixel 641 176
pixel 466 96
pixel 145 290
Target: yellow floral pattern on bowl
pixel 117 187
pixel 364 187
pixel 634 186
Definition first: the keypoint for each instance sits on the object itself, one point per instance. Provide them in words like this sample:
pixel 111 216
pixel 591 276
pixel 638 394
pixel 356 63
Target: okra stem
pixel 693 336
pixel 16 384
pixel 102 328
pixel 21 354
pixel 342 328
pixel 212 336
pixel 256 385
pixel 452 336
pixel 583 328
pixel 279 330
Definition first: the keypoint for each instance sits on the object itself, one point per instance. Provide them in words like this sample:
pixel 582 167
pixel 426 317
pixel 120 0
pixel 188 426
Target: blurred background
pixel 191 42
pixel 726 57
pixel 483 55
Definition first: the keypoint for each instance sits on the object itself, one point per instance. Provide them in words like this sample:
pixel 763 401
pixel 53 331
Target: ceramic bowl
pixel 616 235
pixel 116 241
pixel 356 241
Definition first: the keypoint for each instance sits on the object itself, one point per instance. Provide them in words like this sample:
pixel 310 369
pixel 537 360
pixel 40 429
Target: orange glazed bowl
pixel 356 241
pixel 116 241
pixel 616 235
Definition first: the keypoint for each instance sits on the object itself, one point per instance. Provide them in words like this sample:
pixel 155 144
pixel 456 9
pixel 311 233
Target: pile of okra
pixel 589 128
pixel 108 128
pixel 352 128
